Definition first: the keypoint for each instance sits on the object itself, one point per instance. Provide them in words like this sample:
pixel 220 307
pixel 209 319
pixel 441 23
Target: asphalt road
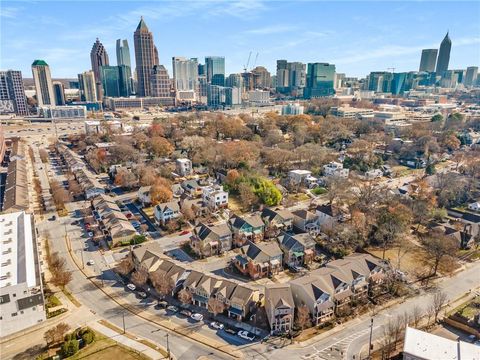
pixel 94 299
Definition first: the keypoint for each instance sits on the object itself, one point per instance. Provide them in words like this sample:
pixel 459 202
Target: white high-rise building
pixel 185 74
pixel 87 86
pixel 43 83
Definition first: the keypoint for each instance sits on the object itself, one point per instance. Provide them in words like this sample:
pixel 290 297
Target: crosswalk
pixel 337 351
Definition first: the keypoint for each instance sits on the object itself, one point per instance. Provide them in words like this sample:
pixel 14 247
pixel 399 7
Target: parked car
pixel 186 312
pixel 90 262
pixel 217 325
pixel 142 294
pixel 246 335
pixel 90 234
pixel 87 226
pixel 131 287
pixel 162 304
pixel 231 331
pixel 184 232
pixel 197 317
pixel 172 308
pixel 136 224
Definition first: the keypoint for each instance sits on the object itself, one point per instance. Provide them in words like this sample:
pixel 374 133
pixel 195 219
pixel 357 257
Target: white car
pixel 246 335
pixel 217 325
pixel 90 262
pixel 131 287
pixel 197 317
pixel 90 234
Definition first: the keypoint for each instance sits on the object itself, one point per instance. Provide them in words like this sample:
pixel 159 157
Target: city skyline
pixel 278 37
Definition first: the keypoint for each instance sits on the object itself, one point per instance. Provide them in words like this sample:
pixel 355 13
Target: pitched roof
pixel 278 295
pixel 242 294
pixel 172 205
pixel 288 241
pixel 304 214
pixel 270 214
pixel 252 220
pixel 261 252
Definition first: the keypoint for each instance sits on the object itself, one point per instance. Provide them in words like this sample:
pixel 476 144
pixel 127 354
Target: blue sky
pixel 357 36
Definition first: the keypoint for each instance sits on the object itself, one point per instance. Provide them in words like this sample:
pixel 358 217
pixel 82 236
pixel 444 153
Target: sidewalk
pixel 126 341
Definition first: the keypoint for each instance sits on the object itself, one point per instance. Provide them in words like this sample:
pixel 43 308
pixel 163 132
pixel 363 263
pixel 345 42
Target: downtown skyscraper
pixel 185 73
pixel 123 60
pixel 43 83
pixel 146 56
pixel 215 70
pixel 12 92
pixel 444 55
pixel 428 60
pixel 98 57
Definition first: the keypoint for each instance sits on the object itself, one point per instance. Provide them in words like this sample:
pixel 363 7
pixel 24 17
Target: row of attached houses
pixel 238 299
pixel 91 187
pixel 113 222
pixel 324 291
pixel 16 186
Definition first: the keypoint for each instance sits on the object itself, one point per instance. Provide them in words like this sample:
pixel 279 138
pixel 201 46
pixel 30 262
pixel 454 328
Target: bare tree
pixel 60 275
pixel 125 266
pixel 162 284
pixel 303 320
pixel 439 299
pixel 416 315
pixel 140 277
pixel 215 306
pixel 438 246
pixel 56 334
pixel 392 332
pixel 184 296
pixel 43 155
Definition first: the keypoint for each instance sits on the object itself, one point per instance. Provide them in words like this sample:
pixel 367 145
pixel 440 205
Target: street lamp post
pixel 123 321
pixel 168 347
pixel 370 339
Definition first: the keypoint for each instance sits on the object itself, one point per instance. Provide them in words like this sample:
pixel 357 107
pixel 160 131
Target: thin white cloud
pixel 9 12
pixel 273 29
pixel 396 50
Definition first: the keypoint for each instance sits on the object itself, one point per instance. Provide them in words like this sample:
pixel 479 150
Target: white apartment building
pixel 335 169
pixel 259 97
pixel 214 197
pixel 183 167
pixel 21 293
pixel 350 112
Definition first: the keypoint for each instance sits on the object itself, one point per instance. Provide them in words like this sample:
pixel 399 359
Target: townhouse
pixel 328 290
pixel 183 167
pixel 327 215
pixel 276 221
pixel 112 221
pixel 91 187
pixel 209 240
pixel 280 308
pixel 16 193
pixel 298 249
pixel 246 228
pixel 192 188
pixel 259 260
pixel 166 211
pixel 316 295
pixel 214 197
pixel 306 221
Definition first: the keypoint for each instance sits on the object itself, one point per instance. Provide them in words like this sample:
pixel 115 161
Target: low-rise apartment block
pixel 21 293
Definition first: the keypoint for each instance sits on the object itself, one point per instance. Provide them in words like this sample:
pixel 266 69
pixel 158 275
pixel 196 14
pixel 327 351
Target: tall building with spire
pixel 428 60
pixel 43 83
pixel 98 57
pixel 123 53
pixel 124 63
pixel 146 56
pixel 444 55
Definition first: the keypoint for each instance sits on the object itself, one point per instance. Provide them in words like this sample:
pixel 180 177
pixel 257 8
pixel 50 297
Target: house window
pixel 14 295
pixel 14 314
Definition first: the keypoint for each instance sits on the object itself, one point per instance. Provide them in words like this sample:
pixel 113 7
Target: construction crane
pixel 392 68
pixel 255 62
pixel 245 67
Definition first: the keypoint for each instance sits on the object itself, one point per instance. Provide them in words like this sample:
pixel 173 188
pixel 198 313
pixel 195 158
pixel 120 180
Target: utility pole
pixel 168 347
pixel 370 339
pixel 123 321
